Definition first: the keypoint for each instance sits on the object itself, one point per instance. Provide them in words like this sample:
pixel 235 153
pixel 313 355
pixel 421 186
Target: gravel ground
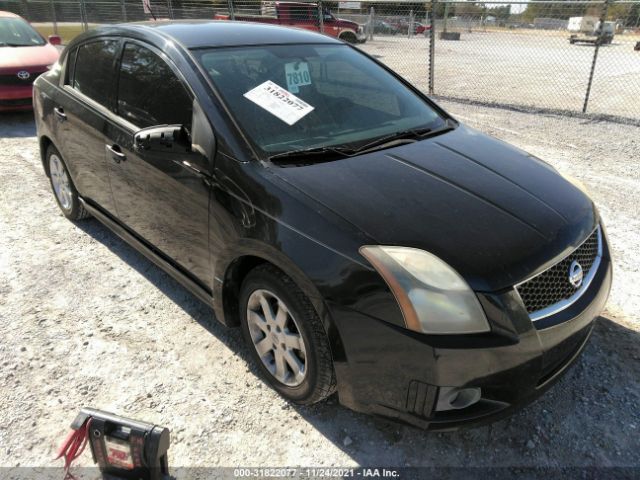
pixel 87 321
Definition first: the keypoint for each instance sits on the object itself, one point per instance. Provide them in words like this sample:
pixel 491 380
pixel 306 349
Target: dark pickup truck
pixel 303 15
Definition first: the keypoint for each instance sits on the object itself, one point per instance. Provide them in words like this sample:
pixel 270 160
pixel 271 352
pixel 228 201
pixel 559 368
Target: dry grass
pixel 67 32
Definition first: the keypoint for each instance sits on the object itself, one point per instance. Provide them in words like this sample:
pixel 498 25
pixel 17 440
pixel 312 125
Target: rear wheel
pixel 285 336
pixel 62 186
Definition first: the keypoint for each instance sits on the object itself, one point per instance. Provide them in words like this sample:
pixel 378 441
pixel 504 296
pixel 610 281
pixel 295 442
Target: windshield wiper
pixel 309 153
pixel 414 134
pixel 403 136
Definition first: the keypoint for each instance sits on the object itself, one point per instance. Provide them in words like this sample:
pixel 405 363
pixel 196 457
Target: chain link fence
pixel 564 56
pixel 575 57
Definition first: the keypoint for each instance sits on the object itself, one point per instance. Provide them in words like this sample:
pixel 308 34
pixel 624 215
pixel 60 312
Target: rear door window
pixel 149 92
pixel 71 66
pixel 94 69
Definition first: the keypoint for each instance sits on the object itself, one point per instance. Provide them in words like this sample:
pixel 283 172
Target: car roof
pixel 8 14
pixel 220 33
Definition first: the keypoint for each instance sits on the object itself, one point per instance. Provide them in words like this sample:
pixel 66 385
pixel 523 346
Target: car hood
pixel 493 212
pixel 25 57
pixel 348 23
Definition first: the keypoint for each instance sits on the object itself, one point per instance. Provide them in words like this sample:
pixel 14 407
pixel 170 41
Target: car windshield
pixel 347 99
pixel 15 32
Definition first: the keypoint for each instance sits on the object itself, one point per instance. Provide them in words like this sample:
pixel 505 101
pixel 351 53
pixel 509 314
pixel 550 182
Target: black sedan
pixel 364 240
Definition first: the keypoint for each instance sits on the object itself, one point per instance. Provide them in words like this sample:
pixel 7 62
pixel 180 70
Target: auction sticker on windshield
pixel 279 102
pixel 297 74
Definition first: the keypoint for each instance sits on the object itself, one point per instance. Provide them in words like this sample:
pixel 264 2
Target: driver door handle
pixel 59 111
pixel 116 153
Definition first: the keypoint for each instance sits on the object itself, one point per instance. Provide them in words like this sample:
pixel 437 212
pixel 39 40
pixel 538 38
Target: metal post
pixel 124 11
pixel 432 44
pixel 53 17
pixel 446 14
pixel 603 17
pixel 371 20
pixel 25 10
pixel 232 14
pixel 83 16
pixel 170 9
pixel 320 17
pixel 410 27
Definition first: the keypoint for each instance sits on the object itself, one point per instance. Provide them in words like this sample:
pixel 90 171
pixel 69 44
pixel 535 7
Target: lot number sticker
pixel 279 102
pixel 297 74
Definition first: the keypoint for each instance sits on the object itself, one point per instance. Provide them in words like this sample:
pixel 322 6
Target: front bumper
pixel 398 374
pixel 16 98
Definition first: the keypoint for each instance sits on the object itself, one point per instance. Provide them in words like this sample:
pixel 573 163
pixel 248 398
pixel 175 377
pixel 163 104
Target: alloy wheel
pixel 276 337
pixel 60 182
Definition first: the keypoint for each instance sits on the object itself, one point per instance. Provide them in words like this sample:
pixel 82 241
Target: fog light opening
pixel 454 398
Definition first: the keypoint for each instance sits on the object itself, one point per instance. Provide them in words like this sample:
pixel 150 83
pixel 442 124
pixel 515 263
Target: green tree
pixel 562 9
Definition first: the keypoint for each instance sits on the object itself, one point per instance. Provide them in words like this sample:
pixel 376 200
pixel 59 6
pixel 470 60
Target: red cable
pixel 73 446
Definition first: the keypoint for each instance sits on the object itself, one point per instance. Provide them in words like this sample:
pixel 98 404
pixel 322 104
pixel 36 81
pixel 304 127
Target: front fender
pixel 310 265
pixel 258 217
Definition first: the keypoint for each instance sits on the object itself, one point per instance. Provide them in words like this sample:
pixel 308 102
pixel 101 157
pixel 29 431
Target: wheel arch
pixel 234 267
pixel 44 142
pixel 348 36
pixel 234 275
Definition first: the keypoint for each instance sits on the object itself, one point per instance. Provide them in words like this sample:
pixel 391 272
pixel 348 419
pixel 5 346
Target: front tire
pixel 63 188
pixel 285 336
pixel 349 38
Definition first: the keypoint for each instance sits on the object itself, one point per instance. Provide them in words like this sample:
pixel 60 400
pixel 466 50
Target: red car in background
pixel 421 28
pixel 403 26
pixel 303 15
pixel 24 55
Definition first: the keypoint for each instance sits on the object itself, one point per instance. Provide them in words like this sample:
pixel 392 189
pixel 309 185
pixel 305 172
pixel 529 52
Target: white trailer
pixel 585 24
pixel 598 35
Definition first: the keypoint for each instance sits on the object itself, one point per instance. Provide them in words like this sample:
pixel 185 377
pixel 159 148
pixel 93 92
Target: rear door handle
pixel 59 111
pixel 116 153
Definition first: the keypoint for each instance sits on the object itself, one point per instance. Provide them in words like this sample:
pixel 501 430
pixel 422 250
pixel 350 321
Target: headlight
pixel 433 297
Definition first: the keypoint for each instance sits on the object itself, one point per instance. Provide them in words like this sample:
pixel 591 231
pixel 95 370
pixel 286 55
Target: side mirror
pixel 55 39
pixel 161 138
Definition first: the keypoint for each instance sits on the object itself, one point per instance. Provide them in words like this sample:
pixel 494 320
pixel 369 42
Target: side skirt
pixel 154 256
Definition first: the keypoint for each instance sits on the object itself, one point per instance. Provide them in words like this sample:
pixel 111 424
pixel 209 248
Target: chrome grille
pixel 552 287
